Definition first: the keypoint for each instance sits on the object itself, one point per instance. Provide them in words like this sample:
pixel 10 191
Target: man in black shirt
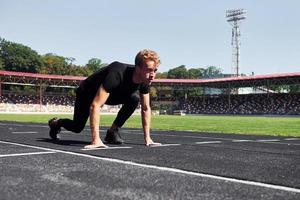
pixel 117 83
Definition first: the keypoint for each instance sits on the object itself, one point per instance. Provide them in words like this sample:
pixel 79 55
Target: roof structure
pixel 236 82
pixel 22 78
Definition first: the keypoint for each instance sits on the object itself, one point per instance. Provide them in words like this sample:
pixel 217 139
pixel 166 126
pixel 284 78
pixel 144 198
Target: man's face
pixel 148 72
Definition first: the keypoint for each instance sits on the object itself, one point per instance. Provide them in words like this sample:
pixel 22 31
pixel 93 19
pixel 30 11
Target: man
pixel 117 83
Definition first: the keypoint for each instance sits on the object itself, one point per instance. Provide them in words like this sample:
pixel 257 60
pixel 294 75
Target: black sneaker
pixel 113 137
pixel 54 129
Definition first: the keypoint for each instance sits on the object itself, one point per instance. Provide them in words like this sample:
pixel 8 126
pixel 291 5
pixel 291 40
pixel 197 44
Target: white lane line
pixel 30 146
pixel 269 140
pixel 182 136
pixel 167 169
pixel 22 125
pixel 26 154
pixel 185 136
pixel 208 142
pixel 289 144
pixel 164 145
pixel 289 139
pixel 242 140
pixel 21 132
pixel 108 148
pixel 137 132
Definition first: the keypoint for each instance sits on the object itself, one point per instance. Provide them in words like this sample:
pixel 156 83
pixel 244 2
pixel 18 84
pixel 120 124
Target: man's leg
pixel 129 106
pixel 127 110
pixel 81 114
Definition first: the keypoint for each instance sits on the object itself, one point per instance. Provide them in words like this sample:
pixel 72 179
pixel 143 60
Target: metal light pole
pixel 234 17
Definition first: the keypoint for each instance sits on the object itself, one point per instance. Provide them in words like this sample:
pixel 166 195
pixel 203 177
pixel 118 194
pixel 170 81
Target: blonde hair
pixel 145 55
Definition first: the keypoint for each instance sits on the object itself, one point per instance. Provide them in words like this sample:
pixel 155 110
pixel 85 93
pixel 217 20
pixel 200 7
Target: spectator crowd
pixel 250 104
pixel 33 103
pixel 48 103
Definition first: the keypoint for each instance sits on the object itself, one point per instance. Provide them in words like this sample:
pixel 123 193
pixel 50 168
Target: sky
pixel 193 33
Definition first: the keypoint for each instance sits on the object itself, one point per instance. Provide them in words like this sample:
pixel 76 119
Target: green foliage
pixel 79 71
pixel 161 75
pixel 1 64
pixel 17 57
pixel 212 72
pixel 95 64
pixel 54 64
pixel 195 73
pixel 1 59
pixel 178 72
pixel 181 72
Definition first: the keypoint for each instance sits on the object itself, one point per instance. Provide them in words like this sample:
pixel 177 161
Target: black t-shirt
pixel 116 79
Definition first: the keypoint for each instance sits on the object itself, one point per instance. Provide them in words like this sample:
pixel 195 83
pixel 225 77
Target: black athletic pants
pixel 82 110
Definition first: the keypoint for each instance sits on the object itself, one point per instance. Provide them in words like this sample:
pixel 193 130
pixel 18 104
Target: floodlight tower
pixel 234 17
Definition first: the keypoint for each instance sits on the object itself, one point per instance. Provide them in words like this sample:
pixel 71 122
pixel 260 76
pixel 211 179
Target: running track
pixel 187 166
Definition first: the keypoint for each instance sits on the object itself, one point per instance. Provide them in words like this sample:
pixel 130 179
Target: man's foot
pixel 149 143
pixel 54 129
pixel 94 146
pixel 113 137
pixel 154 144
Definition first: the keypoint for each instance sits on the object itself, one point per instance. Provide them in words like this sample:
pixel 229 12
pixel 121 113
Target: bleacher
pixel 14 103
pixel 250 104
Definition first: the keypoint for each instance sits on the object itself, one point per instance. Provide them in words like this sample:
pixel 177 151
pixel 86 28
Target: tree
pixel 1 64
pixel 161 75
pixel 80 71
pixel 17 57
pixel 212 72
pixel 94 64
pixel 54 64
pixel 178 72
pixel 194 73
pixel 70 60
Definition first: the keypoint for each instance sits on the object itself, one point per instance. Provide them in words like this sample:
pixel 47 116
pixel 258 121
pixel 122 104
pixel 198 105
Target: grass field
pixel 276 126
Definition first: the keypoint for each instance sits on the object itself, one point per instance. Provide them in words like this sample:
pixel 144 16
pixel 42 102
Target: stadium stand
pixel 31 103
pixel 250 104
pixel 49 104
pixel 264 103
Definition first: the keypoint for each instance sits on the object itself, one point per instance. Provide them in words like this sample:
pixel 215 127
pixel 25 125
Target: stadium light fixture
pixel 234 16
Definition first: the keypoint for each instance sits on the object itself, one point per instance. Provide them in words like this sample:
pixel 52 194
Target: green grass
pixel 276 126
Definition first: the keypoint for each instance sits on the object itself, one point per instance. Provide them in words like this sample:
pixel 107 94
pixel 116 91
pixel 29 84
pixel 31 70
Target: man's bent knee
pixel 78 128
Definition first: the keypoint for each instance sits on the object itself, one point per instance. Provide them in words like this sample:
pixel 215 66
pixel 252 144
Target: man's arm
pixel 98 101
pixel 146 119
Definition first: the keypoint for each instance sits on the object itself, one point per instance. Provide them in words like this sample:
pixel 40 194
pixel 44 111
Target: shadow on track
pixel 63 142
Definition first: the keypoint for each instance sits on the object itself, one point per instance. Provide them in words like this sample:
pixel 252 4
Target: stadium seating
pixel 251 104
pixel 49 104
